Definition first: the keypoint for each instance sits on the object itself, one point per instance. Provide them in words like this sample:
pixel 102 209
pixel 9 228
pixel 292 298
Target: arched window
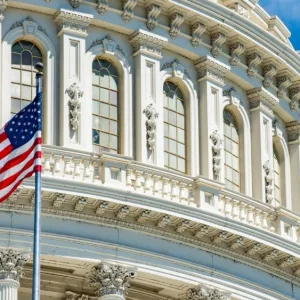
pixel 174 128
pixel 276 166
pixel 24 57
pixel 105 107
pixel 231 146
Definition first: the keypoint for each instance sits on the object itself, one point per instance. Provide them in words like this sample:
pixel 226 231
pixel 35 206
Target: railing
pixel 117 172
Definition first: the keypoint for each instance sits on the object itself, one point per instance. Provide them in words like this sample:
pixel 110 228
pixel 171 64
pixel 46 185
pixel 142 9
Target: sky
pixel 288 11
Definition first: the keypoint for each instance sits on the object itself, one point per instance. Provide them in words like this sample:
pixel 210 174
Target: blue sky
pixel 288 11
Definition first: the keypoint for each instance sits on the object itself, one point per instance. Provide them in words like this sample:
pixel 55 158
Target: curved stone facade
pixel 171 155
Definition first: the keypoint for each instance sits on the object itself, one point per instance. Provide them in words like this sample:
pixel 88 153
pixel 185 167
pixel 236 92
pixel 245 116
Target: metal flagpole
pixel 37 210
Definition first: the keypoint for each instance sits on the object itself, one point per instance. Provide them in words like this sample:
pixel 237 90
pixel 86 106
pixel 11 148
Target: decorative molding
pixel 3 6
pixel 75 95
pixel 202 231
pixel 102 6
pixel 59 200
pixel 197 293
pixel 197 29
pixel 151 115
pixel 283 82
pixel 80 204
pixel 294 94
pixel 29 26
pixel 269 72
pixel 253 61
pixel 239 9
pixel 122 212
pixel 293 130
pixel 75 3
pixel 11 263
pixel 268 181
pixel 109 45
pixel 176 20
pixel 182 226
pixel 102 208
pixel 72 21
pixel 164 221
pixel 147 42
pixel 153 12
pixel 177 68
pixel 143 216
pixel 236 49
pixel 111 279
pixel 128 7
pixel 217 41
pixel 217 141
pixel 14 196
pixel 211 68
pixel 232 95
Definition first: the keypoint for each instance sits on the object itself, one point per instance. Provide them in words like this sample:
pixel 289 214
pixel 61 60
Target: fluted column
pixel 111 281
pixel 11 270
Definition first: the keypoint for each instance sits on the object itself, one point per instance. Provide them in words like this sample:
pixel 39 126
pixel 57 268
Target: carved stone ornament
pixel 75 95
pixel 197 293
pixel 293 130
pixel 211 69
pixel 269 71
pixel 147 42
pixel 197 29
pixel 294 94
pixel 12 263
pixel 217 41
pixel 75 3
pixel 128 7
pixel 153 12
pixel 102 6
pixel 111 279
pixel 177 68
pixel 268 181
pixel 283 82
pixel 30 26
pixel 3 6
pixel 236 50
pixel 151 115
pixel 239 9
pixel 216 295
pixel 72 21
pixel 232 95
pixel 176 20
pixel 217 141
pixel 253 60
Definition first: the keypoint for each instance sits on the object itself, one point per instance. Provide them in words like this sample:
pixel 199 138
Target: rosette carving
pixel 197 29
pixel 253 60
pixel 217 40
pixel 151 115
pixel 236 50
pixel 175 22
pixel 12 263
pixel 153 12
pixel 111 279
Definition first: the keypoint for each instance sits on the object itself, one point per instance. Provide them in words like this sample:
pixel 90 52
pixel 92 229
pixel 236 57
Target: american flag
pixel 21 147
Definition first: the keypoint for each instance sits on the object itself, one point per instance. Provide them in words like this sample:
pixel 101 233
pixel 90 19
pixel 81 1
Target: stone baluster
pixel 77 170
pixel 67 161
pixel 183 191
pixel 250 214
pixel 147 183
pixel 128 178
pixel 235 209
pixel 111 281
pixel 221 204
pixel 190 196
pixel 156 185
pixel 11 270
pixel 264 220
pixel 243 215
pixel 47 165
pixel 57 166
pixel 174 190
pixel 138 181
pixel 165 189
pixel 227 207
pixel 257 218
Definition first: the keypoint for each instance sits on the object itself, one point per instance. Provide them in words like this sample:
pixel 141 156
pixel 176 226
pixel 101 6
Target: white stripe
pixel 19 150
pixel 15 169
pixel 7 189
pixel 4 144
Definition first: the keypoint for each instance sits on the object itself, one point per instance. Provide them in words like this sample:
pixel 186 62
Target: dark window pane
pixel 26 58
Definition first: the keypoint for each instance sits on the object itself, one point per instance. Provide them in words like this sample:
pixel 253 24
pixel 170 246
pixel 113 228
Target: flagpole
pixel 37 211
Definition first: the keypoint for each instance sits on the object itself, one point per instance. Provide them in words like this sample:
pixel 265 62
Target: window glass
pixel 24 56
pixel 174 124
pixel 231 148
pixel 105 107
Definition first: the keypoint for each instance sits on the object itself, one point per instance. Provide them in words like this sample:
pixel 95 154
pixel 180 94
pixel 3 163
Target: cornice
pixel 73 22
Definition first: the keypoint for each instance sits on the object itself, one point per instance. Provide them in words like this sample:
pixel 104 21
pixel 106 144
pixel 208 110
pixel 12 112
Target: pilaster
pixel 261 105
pixel 111 281
pixel 293 130
pixel 11 270
pixel 147 53
pixel 211 75
pixel 72 32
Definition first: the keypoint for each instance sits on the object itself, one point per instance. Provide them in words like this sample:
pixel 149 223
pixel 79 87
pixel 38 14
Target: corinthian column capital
pixel 12 263
pixel 111 280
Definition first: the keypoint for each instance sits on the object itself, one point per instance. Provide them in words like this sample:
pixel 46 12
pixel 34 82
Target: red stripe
pixel 17 184
pixel 8 181
pixel 3 136
pixel 16 160
pixel 6 151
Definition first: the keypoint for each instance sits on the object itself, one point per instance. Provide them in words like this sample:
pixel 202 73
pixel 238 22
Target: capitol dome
pixel 171 150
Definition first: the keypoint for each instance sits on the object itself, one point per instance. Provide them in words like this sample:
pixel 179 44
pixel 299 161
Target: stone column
pixel 111 281
pixel 261 104
pixel 293 129
pixel 149 117
pixel 11 266
pixel 72 33
pixel 211 74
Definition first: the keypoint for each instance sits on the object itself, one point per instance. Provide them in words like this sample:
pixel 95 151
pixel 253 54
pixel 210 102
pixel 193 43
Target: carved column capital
pixel 11 263
pixel 294 94
pixel 146 42
pixel 111 279
pixel 211 69
pixel 71 21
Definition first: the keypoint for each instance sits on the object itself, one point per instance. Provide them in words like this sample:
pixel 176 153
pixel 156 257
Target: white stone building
pixel 171 156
